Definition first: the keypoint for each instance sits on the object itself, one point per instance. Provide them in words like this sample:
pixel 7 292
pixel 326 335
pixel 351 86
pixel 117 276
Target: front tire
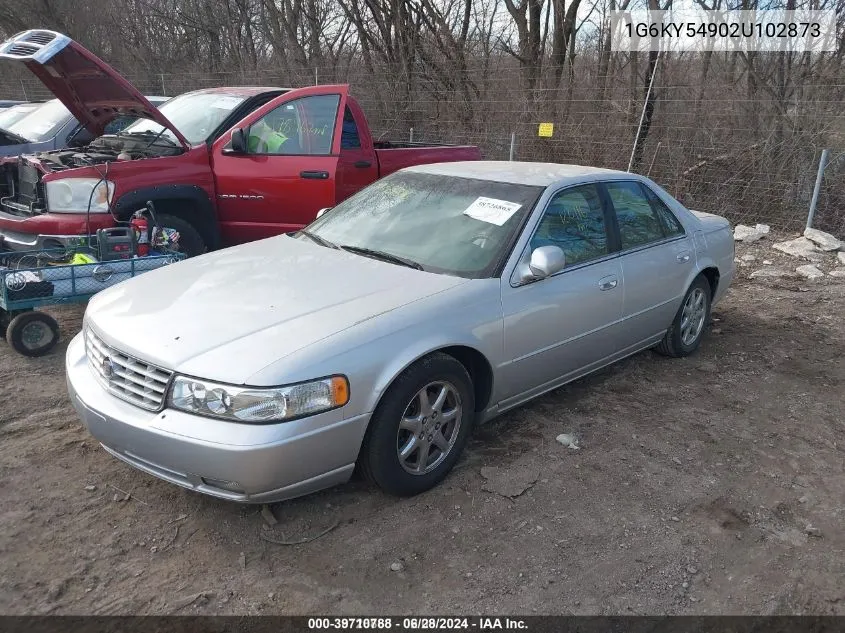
pixel 687 330
pixel 190 241
pixel 420 427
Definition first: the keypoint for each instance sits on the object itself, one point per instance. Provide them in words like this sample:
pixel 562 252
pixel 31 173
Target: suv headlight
pixel 71 195
pixel 257 404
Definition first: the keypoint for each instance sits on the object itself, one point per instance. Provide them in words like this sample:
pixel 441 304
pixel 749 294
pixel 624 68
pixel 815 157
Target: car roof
pixel 241 91
pixel 520 173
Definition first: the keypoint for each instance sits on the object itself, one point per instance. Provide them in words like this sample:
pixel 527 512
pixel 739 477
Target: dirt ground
pixel 709 485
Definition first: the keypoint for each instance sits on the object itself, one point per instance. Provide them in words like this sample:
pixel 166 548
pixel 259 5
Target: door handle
pixel 363 164
pixel 314 175
pixel 683 257
pixel 608 283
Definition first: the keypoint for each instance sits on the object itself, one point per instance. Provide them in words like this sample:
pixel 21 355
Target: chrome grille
pixel 125 376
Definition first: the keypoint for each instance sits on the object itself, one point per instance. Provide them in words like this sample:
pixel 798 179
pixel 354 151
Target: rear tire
pixel 413 442
pixel 689 324
pixel 190 241
pixel 33 333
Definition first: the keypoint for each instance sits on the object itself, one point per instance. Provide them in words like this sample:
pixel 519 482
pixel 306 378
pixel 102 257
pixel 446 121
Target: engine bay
pixel 108 148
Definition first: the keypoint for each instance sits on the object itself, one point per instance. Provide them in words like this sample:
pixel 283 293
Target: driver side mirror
pixel 545 261
pixel 238 143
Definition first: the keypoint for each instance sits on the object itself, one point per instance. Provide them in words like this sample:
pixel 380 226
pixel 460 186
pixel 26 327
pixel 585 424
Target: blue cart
pixel 30 279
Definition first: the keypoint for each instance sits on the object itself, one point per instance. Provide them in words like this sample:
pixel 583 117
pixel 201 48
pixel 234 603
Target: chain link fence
pixel 719 140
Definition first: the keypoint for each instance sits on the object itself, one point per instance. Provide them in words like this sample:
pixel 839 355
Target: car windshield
pixel 42 123
pixel 445 224
pixel 195 114
pixel 15 113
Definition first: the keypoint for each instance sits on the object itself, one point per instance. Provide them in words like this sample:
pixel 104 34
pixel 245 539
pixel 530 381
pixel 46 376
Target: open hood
pixel 93 91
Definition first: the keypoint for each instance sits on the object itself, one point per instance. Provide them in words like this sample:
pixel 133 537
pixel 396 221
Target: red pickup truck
pixel 222 166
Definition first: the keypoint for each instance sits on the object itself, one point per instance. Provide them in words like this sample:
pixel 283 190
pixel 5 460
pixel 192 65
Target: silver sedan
pixel 433 300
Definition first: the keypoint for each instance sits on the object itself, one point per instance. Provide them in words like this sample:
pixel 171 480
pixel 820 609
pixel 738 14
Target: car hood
pixel 285 293
pixel 92 90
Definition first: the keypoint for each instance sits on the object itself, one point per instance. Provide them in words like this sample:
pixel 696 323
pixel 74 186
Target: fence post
pixel 163 91
pixel 513 145
pixel 817 188
pixel 411 136
pixel 316 78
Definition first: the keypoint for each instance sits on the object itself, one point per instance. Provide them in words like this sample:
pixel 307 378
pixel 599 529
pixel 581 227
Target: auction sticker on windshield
pixel 491 210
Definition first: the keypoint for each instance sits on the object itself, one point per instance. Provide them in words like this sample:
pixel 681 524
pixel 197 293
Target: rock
pixel 692 571
pixel 743 233
pixel 677 461
pixel 799 247
pixel 90 488
pixel 568 440
pixel 825 241
pixel 154 549
pixel 809 271
pixel 839 272
pixel 268 516
pixel 767 262
pixel 841 257
pixel 770 272
pixel 675 519
pixel 397 566
pixel 748 258
pixel 812 531
pixel 685 585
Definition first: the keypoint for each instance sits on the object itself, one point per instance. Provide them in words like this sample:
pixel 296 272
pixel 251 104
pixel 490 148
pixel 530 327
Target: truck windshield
pixel 195 114
pixel 445 224
pixel 42 123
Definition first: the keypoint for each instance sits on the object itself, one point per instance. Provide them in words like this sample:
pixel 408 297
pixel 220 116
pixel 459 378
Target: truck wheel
pixel 33 333
pixel 190 240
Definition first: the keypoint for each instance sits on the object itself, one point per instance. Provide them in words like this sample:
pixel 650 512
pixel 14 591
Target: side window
pixel 671 226
pixel 638 222
pixel 349 139
pixel 301 126
pixel 574 221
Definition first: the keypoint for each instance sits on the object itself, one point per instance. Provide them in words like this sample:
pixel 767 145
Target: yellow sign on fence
pixel 546 130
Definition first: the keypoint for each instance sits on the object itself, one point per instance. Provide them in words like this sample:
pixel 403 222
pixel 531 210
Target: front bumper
pixel 239 462
pixel 49 230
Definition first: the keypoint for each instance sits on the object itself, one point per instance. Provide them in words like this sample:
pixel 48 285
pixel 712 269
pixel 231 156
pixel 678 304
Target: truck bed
pixel 394 156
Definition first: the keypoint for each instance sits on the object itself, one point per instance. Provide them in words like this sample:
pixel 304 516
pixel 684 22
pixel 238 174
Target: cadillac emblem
pixel 107 368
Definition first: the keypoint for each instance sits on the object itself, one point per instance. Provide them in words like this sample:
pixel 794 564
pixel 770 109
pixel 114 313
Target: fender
pixel 207 214
pixel 409 355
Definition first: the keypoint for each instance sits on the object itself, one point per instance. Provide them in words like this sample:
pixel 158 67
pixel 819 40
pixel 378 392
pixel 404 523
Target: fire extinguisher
pixel 142 237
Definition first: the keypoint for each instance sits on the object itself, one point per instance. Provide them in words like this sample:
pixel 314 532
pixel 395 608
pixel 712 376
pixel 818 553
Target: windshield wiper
pixel 316 238
pixel 388 257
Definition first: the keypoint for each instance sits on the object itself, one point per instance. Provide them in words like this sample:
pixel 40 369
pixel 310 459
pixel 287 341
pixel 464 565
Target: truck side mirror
pixel 238 143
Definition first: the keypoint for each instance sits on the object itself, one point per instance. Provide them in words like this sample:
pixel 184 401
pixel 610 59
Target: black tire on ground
pixel 190 241
pixel 33 333
pixel 673 344
pixel 379 460
pixel 6 318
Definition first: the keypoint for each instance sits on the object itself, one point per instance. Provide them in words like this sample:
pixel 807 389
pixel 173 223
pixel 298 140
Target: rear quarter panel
pixel 390 160
pixel 714 247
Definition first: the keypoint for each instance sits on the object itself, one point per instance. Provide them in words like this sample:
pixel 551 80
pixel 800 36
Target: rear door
pixel 656 256
pixel 289 171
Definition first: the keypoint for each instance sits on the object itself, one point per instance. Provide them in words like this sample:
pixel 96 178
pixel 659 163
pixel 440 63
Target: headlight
pixel 257 404
pixel 71 195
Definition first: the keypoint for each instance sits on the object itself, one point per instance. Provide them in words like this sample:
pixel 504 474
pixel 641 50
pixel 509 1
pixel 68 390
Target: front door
pixel 289 170
pixel 657 259
pixel 562 325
